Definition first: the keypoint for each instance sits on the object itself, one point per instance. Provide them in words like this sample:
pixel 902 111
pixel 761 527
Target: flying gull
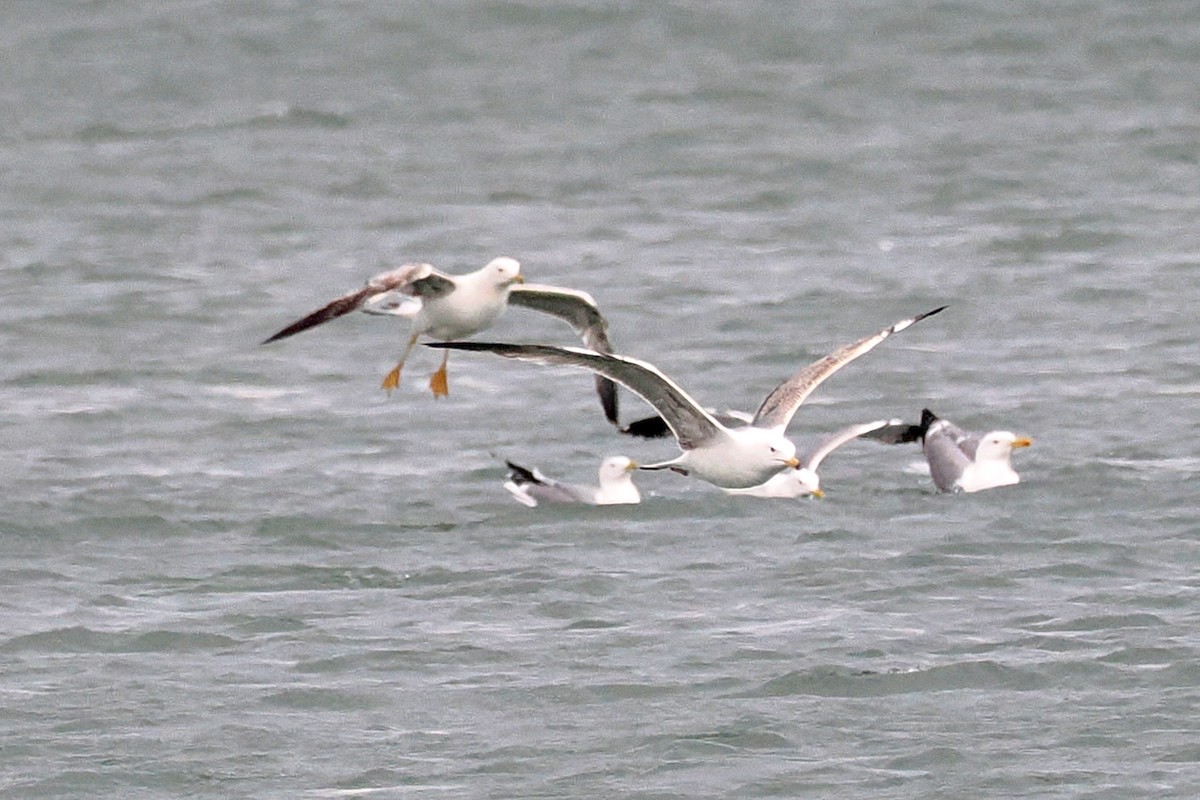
pixel 446 307
pixel 530 486
pixel 804 480
pixel 731 458
pixel 966 462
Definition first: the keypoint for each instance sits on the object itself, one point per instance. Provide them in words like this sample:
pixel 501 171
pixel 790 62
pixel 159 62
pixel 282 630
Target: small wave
pixel 102 133
pixel 1103 622
pixel 281 116
pixel 224 197
pixel 593 625
pixel 300 577
pixel 243 392
pixel 1184 465
pixel 319 699
pixel 80 639
pixel 286 116
pixel 836 681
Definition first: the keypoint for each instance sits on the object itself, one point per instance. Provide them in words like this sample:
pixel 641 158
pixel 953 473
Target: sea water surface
pixel 231 570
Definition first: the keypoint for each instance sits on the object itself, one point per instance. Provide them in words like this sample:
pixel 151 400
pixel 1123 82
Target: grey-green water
pixel 238 571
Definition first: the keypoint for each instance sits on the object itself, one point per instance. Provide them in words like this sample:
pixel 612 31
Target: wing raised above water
pixel 580 311
pixel 780 405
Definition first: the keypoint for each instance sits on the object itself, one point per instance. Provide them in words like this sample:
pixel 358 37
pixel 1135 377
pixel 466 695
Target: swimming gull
pixel 446 306
pixel 966 462
pixel 804 480
pixel 530 486
pixel 731 458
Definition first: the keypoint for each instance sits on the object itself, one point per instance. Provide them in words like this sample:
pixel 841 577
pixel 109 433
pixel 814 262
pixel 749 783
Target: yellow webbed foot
pixel 439 383
pixel 392 379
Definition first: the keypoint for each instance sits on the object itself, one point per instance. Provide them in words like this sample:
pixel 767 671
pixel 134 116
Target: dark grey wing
pixel 895 432
pixel 578 310
pixel 969 444
pixel 431 285
pixel 780 405
pixel 656 427
pixel 965 441
pixel 572 306
pixel 559 493
pixel 520 475
pixel 400 279
pixel 816 454
pixel 946 459
pixel 691 424
pixel 541 488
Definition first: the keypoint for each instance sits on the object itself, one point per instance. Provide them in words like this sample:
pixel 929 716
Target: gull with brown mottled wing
pixel 446 307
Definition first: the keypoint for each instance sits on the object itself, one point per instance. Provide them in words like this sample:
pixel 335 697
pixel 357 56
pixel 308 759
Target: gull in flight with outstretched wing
pixel 728 457
pixel 446 307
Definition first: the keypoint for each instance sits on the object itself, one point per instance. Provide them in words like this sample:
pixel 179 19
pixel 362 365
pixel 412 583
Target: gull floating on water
pixel 530 486
pixel 967 462
pixel 731 458
pixel 446 307
pixel 804 480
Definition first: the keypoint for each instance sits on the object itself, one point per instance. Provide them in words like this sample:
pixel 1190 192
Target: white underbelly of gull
pixel 446 307
pixel 530 486
pixel 731 458
pixel 805 481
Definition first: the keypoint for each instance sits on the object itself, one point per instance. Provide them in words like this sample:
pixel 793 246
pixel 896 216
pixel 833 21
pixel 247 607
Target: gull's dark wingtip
pixel 607 390
pixel 520 474
pixel 649 428
pixel 896 432
pixel 343 305
pixel 507 349
pixel 300 325
pixel 937 310
pixel 927 419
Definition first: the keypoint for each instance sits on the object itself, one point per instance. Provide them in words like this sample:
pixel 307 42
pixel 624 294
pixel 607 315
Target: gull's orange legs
pixel 392 379
pixel 438 381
